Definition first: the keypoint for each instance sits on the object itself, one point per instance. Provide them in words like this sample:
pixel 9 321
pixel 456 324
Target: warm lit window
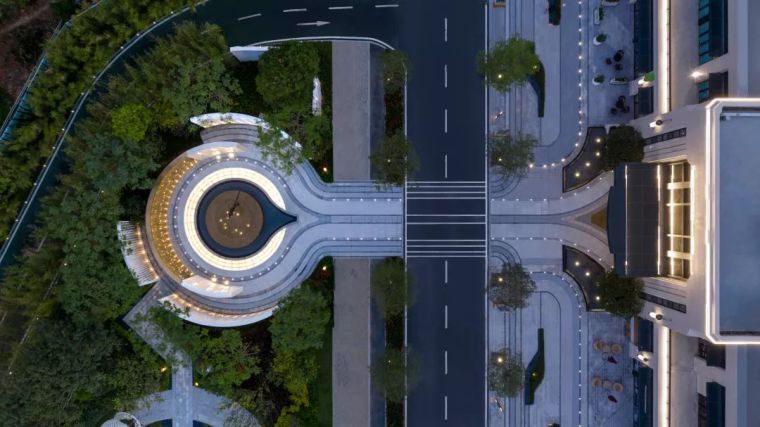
pixel 678 225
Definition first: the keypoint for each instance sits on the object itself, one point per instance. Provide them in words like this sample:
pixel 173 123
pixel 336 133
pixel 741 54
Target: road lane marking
pixel 445 408
pixel 312 24
pixel 445 29
pixel 379 6
pixel 340 7
pixel 445 165
pixel 293 10
pixel 445 362
pixel 445 75
pixel 255 15
pixel 446 271
pixel 445 120
pixel 446 317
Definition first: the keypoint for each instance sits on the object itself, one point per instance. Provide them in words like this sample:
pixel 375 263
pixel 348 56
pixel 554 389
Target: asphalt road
pixel 446 122
pixel 446 210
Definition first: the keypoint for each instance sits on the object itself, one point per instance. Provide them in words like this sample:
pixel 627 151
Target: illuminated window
pixel 678 224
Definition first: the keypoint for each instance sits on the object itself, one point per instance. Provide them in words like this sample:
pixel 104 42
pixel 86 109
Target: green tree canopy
pixel 311 133
pixel 396 372
pixel 391 286
pixel 395 69
pixel 511 156
pixel 623 144
pixel 505 373
pixel 394 160
pixel 300 321
pixel 286 74
pixel 509 63
pixel 620 295
pixel 130 122
pixel 510 288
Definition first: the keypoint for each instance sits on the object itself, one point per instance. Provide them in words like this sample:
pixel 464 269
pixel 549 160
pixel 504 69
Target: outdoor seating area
pixel 611 62
pixel 610 380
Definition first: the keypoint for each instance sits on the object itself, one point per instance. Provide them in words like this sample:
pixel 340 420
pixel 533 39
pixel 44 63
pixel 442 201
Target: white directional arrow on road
pixel 315 23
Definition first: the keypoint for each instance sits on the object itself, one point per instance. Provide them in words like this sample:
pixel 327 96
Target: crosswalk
pixel 445 219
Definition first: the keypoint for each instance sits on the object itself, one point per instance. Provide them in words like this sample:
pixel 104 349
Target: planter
pixel 598 15
pixel 618 81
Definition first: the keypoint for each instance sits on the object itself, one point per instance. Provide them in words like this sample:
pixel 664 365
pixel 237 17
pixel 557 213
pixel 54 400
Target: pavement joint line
pixel 340 7
pixel 293 10
pixel 255 15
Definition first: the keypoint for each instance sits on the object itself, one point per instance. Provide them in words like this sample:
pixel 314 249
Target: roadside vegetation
pixel 396 370
pixel 394 160
pixel 511 156
pixel 505 372
pixel 510 287
pixel 509 63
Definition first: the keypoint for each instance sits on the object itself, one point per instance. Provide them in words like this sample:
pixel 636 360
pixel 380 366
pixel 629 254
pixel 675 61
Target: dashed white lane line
pixel 379 6
pixel 445 407
pixel 446 271
pixel 445 29
pixel 293 10
pixel 445 120
pixel 445 75
pixel 445 362
pixel 445 317
pixel 255 15
pixel 445 165
pixel 340 7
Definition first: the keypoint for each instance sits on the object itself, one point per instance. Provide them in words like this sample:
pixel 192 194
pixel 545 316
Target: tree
pixel 300 321
pixel 286 74
pixel 620 295
pixel 294 136
pixel 130 122
pixel 225 362
pixel 511 156
pixel 396 372
pixel 505 373
pixel 510 288
pixel 391 287
pixel 394 160
pixel 395 70
pixel 509 63
pixel 623 144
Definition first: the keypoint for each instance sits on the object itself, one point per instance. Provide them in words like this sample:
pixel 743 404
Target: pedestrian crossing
pixel 445 219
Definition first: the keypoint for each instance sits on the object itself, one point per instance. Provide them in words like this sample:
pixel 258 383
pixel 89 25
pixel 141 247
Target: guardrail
pixel 21 218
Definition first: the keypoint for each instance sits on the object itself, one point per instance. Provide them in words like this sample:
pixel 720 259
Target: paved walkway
pixel 183 403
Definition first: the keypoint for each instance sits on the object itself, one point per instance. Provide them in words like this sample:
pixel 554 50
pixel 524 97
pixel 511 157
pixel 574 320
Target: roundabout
pixel 230 235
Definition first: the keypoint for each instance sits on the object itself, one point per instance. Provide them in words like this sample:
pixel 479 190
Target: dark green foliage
pixel 620 295
pixel 391 287
pixel 509 63
pixel 286 74
pixel 510 288
pixel 130 122
pixel 73 58
pixel 221 360
pixel 505 373
pixel 555 11
pixel 396 372
pixel 309 131
pixel 511 155
pixel 623 144
pixel 395 70
pixel 394 160
pixel 8 8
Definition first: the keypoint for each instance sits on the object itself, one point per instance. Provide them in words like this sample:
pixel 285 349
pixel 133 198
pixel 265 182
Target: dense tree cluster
pixel 509 63
pixel 510 287
pixel 79 52
pixel 623 144
pixel 511 156
pixel 77 283
pixel 620 295
pixel 505 372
